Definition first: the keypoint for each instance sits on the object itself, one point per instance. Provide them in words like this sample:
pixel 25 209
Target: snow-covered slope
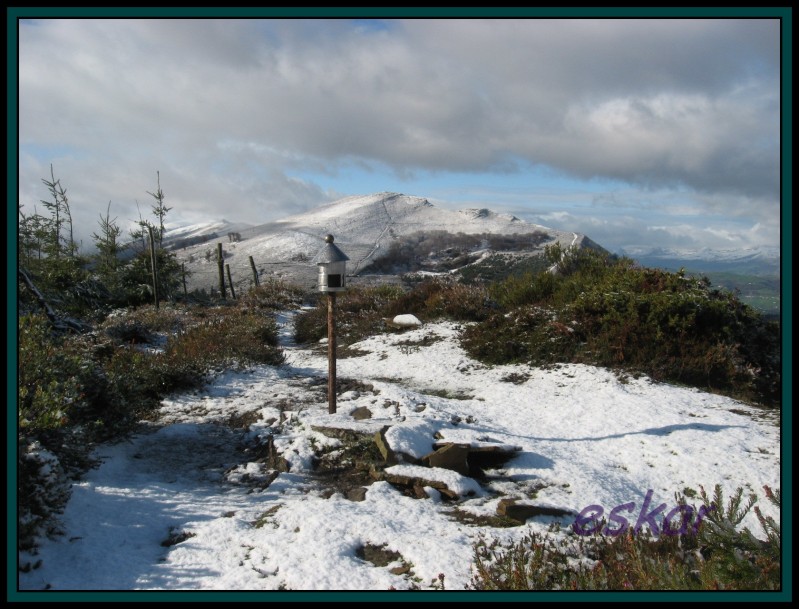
pixel 364 227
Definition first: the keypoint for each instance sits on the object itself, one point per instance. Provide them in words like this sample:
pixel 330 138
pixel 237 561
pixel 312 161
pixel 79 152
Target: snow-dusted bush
pixel 43 490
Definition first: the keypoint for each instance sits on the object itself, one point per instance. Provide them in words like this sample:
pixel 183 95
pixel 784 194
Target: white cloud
pixel 228 109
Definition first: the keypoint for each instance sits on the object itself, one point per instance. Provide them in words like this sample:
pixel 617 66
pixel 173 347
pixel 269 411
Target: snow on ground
pixel 184 505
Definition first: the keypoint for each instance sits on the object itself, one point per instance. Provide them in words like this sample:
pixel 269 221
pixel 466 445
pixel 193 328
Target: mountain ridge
pixel 365 227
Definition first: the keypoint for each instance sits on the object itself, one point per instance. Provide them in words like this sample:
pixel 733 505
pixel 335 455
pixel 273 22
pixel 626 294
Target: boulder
pixel 361 413
pixel 357 493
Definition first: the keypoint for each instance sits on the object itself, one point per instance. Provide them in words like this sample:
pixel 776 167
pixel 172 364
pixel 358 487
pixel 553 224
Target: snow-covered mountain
pixel 719 255
pixel 364 228
pixel 180 235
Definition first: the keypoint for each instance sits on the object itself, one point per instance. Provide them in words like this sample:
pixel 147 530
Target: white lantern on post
pixel 332 278
pixel 332 267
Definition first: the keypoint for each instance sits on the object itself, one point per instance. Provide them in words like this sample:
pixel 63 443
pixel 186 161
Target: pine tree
pixel 108 248
pixel 159 208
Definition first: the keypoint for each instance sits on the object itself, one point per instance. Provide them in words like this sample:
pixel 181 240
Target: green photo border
pixel 785 14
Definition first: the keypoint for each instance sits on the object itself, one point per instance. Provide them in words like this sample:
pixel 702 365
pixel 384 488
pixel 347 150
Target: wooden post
pixel 221 264
pixel 230 283
pixel 154 266
pixel 254 272
pixel 331 353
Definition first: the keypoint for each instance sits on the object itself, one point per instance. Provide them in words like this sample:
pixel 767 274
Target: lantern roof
pixel 329 253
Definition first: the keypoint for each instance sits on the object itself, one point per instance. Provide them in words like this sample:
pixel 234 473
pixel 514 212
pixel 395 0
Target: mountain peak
pixel 366 227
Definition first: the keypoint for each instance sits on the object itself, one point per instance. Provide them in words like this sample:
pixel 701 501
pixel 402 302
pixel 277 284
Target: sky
pixel 636 132
pixel 181 506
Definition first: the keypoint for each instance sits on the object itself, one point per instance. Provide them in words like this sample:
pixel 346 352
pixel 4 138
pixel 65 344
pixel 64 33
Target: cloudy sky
pixel 636 132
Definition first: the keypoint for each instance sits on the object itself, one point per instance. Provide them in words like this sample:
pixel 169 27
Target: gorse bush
pixel 442 299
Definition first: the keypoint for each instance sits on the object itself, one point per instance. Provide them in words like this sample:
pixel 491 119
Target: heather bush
pixel 443 299
pixel 273 295
pixel 721 556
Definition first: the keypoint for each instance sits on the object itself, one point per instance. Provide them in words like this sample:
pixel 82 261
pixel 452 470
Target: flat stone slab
pixel 475 446
pixel 447 482
pixel 479 455
pixel 346 434
pixel 522 511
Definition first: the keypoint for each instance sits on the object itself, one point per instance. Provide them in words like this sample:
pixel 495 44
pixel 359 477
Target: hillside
pixel 366 228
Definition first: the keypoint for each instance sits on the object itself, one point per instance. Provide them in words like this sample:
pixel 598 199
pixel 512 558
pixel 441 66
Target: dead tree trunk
pixel 61 325
pixel 185 291
pixel 221 264
pixel 154 265
pixel 230 282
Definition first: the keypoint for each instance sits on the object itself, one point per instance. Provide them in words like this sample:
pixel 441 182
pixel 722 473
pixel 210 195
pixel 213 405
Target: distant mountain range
pixel 389 234
pixel 761 261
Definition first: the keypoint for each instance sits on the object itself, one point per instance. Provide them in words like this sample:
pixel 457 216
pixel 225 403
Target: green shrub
pixel 442 299
pixel 49 385
pixel 519 290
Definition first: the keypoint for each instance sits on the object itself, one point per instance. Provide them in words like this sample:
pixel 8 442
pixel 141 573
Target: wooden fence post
pixel 254 272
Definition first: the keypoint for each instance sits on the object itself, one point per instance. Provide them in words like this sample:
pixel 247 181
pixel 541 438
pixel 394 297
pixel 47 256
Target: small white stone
pixel 407 321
